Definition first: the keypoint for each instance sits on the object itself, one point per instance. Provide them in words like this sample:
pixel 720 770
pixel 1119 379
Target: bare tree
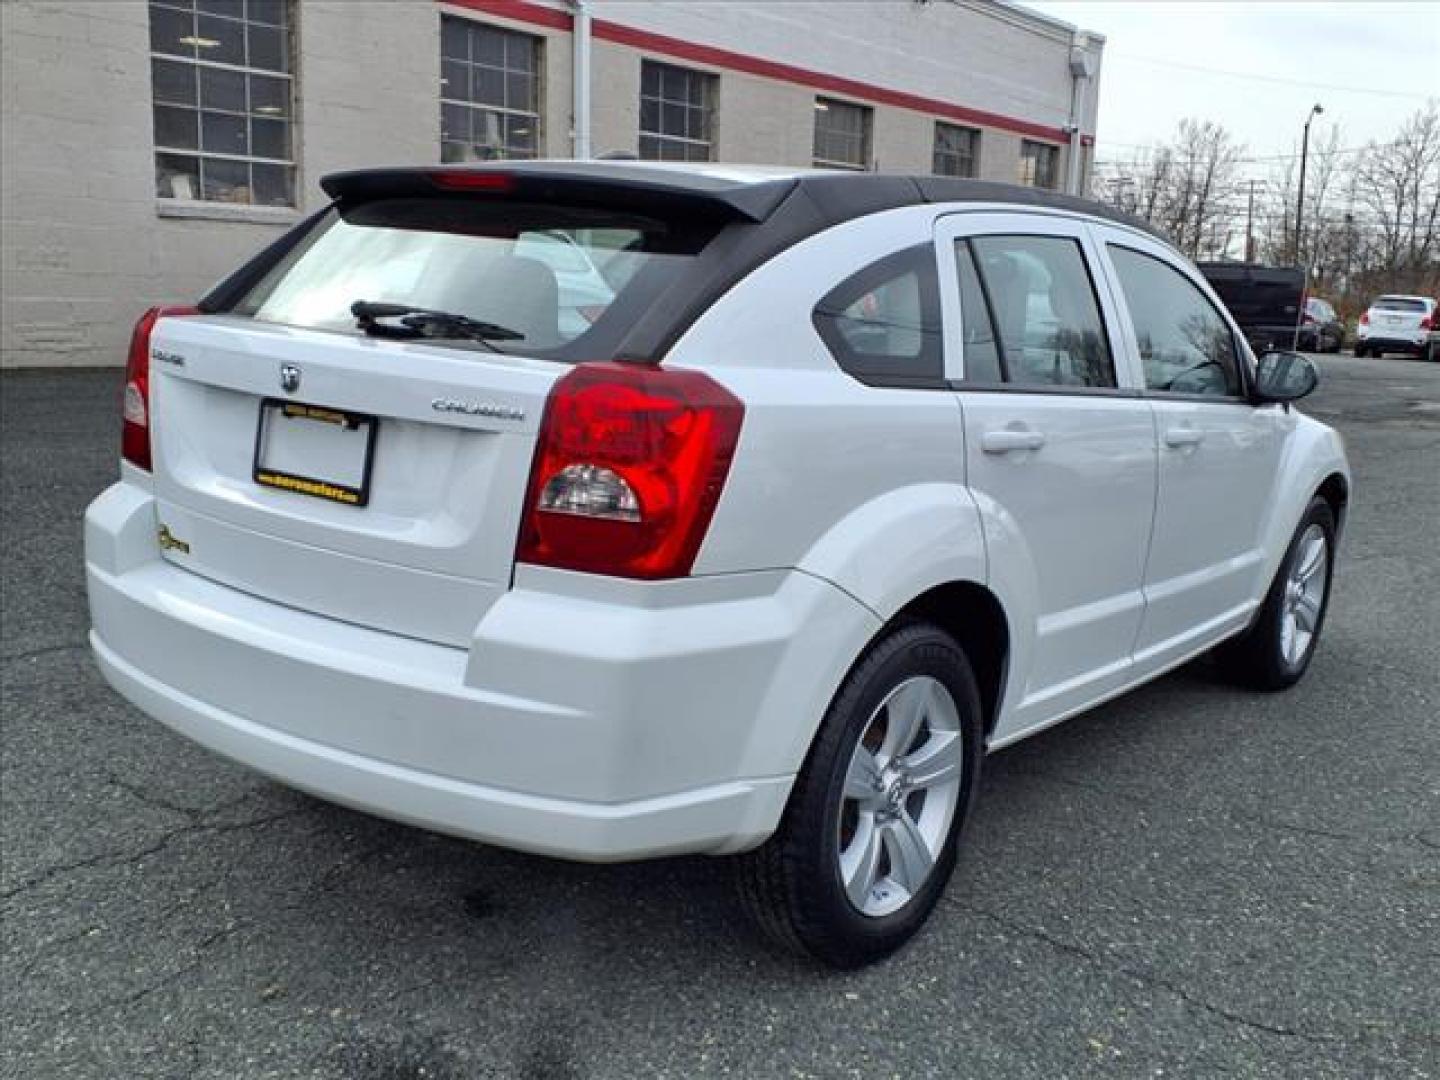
pixel 1180 186
pixel 1398 185
pixel 1320 244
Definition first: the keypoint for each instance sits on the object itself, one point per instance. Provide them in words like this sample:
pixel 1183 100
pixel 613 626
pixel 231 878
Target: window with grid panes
pixel 489 92
pixel 842 134
pixel 1039 164
pixel 222 88
pixel 956 150
pixel 675 113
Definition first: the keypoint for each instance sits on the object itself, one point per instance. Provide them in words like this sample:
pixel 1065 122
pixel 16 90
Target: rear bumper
pixel 592 727
pixel 1399 342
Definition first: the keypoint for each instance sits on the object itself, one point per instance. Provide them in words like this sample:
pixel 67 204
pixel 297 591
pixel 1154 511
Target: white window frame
pixel 535 115
pixel 1030 164
pixel 705 79
pixel 867 134
pixel 289 163
pixel 973 158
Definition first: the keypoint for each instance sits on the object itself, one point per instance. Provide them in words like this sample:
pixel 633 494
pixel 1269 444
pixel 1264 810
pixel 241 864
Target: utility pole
pixel 1349 247
pixel 1250 224
pixel 1315 110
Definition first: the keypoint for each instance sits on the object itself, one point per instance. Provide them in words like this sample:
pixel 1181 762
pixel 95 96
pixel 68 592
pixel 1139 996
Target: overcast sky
pixel 1369 64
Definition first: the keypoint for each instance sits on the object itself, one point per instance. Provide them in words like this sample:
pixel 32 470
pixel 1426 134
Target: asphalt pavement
pixel 1190 881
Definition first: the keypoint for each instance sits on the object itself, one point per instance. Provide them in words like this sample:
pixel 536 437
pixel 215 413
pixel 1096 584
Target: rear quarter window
pixel 882 324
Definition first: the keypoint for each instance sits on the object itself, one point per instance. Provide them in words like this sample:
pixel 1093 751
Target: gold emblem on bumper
pixel 168 541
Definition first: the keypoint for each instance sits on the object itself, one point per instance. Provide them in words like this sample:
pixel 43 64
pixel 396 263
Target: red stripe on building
pixel 679 49
pixel 519 10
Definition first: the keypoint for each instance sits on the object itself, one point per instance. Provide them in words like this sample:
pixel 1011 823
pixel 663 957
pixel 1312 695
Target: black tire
pixel 791 886
pixel 1361 352
pixel 1257 657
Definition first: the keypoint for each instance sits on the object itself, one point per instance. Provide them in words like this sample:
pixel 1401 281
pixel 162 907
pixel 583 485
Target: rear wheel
pixel 1274 653
pixel 869 837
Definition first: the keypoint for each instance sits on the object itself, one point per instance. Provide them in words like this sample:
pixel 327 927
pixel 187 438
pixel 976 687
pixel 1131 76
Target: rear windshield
pixel 560 276
pixel 1399 303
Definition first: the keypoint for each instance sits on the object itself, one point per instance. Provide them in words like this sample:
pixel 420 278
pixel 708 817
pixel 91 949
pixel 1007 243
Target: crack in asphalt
pixel 1070 948
pixel 324 885
pixel 155 802
pixel 109 859
pixel 30 654
pixel 1235 815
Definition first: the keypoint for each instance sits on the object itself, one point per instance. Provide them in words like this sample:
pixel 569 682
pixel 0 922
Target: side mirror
pixel 1284 377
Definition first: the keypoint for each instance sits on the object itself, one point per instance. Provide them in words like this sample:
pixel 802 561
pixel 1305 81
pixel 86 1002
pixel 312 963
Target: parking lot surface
pixel 1189 881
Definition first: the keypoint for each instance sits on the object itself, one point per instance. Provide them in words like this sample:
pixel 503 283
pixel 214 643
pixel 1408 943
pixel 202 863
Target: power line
pixel 1239 161
pixel 1156 62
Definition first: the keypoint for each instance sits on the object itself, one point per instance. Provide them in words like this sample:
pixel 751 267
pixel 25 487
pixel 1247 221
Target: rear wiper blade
pixel 417 322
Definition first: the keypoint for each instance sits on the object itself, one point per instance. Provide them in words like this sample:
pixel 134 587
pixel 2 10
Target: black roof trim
pixel 581 183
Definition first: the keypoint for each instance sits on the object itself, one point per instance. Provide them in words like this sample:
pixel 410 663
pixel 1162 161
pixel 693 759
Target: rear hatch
pixel 379 479
pixel 1401 315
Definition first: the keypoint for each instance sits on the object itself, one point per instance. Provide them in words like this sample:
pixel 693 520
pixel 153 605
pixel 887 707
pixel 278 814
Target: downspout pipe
pixel 1081 68
pixel 580 70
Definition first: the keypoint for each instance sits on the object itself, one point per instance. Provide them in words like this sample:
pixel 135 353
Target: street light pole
pixel 1315 110
pixel 1250 224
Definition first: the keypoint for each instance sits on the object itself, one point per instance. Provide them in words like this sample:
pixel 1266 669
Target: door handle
pixel 1180 437
pixel 1008 440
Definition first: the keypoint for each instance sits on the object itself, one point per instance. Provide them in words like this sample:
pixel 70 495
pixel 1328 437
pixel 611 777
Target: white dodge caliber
pixel 616 510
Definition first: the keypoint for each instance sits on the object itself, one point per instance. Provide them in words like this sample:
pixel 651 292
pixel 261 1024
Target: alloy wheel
pixel 900 795
pixel 1304 595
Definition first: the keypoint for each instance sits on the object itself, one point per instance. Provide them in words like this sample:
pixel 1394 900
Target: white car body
pixel 1400 323
pixel 399 660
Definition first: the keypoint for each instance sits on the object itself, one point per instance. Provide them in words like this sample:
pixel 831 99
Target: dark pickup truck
pixel 1265 300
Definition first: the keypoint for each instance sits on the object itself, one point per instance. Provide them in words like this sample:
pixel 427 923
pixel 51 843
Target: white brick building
pixel 148 147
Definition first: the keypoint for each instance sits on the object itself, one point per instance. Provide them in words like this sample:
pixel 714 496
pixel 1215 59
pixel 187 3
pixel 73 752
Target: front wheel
pixel 870 834
pixel 1277 648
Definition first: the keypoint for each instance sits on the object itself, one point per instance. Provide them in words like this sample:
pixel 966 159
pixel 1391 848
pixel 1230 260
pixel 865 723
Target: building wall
pixel 85 244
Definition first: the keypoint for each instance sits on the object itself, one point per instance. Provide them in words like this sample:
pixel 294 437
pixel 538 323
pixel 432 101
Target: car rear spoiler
pixel 687 196
pixel 598 185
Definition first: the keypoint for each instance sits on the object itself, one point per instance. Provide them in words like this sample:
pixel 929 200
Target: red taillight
pixel 1427 323
pixel 629 466
pixel 1365 318
pixel 135 407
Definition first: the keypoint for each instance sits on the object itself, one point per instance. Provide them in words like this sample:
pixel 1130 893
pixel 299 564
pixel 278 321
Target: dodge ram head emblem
pixel 289 378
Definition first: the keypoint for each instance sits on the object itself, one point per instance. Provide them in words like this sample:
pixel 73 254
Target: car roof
pixel 739 192
pixel 761 211
pixel 1404 296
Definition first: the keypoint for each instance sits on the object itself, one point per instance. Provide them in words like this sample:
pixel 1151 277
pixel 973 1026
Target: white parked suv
pixel 849 480
pixel 1406 324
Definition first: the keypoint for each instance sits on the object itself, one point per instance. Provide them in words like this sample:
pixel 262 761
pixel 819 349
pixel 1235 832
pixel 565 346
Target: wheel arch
pixel 1335 490
pixel 974 616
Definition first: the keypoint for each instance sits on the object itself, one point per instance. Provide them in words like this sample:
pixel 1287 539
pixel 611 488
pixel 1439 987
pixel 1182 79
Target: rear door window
pixel 1045 316
pixel 556 275
pixel 883 324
